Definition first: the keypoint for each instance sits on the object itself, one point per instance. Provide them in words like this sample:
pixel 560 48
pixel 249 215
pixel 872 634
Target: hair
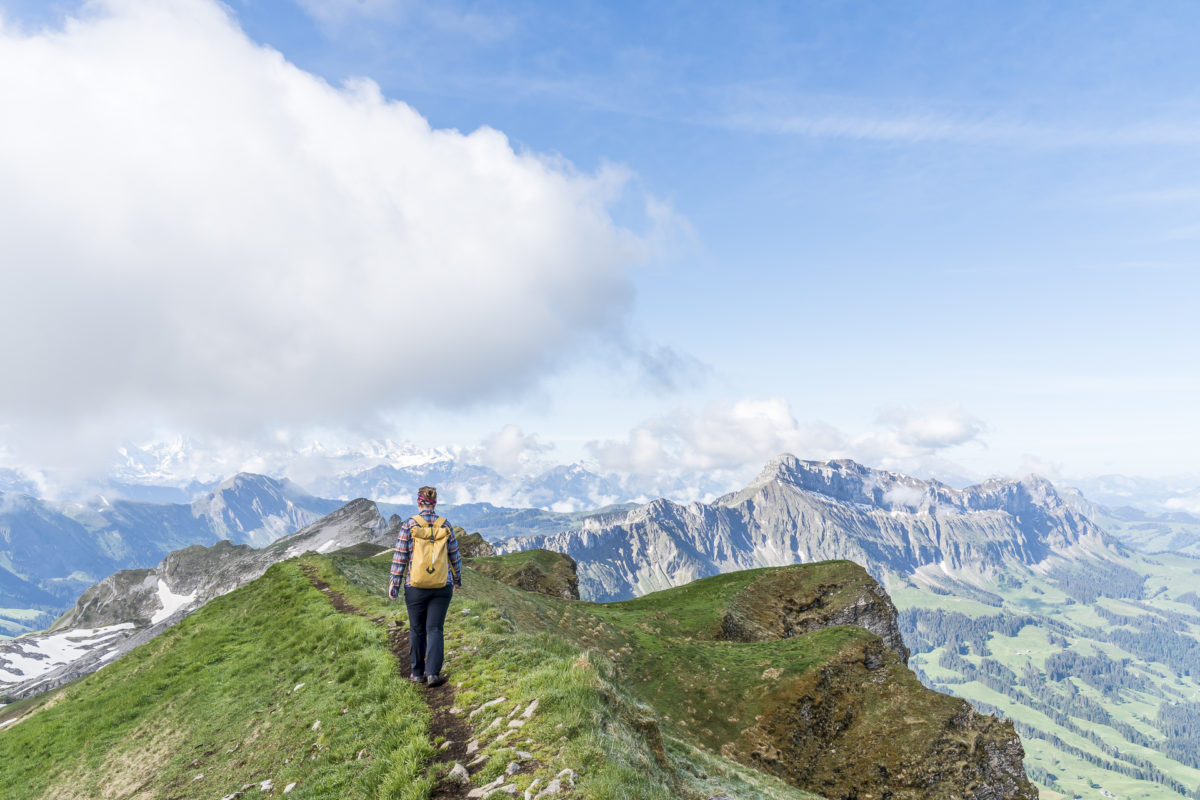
pixel 427 496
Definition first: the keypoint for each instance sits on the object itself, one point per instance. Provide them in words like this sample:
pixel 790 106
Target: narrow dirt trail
pixel 440 699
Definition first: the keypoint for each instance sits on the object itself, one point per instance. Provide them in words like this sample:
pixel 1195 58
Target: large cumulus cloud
pixel 198 232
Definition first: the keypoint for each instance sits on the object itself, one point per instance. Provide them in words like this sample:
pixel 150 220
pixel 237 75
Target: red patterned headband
pixel 422 497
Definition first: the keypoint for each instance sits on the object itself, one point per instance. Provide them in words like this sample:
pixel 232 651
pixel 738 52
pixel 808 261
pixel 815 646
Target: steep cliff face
pixel 777 606
pixel 861 727
pixel 772 668
pixel 802 511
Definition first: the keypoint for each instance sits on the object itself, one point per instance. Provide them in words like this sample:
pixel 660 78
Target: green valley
pixel 1098 666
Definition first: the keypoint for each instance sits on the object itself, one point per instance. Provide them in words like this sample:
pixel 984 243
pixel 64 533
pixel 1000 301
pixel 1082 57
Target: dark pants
pixel 426 615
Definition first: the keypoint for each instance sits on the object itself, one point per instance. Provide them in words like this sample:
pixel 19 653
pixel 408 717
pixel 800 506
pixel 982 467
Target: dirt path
pixel 440 699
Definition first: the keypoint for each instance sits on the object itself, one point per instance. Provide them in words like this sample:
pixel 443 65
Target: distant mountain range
pixel 49 553
pixel 1012 593
pixel 800 511
pixel 130 607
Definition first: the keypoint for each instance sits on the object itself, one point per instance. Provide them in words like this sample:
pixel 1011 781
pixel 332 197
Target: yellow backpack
pixel 430 565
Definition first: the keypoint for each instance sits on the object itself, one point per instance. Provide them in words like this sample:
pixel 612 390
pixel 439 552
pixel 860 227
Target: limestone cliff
pixel 802 511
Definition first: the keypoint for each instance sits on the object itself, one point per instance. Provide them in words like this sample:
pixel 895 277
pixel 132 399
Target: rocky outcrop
pixel 60 550
pixel 540 571
pixel 784 603
pixel 844 732
pixel 862 725
pixel 473 545
pixel 803 511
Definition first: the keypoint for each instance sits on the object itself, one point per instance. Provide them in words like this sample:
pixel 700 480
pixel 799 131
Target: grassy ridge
pixel 215 696
pixel 642 700
pixel 503 642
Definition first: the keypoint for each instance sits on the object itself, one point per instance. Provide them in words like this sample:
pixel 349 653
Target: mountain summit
pixel 799 511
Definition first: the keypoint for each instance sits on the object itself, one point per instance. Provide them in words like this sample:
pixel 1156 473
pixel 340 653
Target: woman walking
pixel 427 564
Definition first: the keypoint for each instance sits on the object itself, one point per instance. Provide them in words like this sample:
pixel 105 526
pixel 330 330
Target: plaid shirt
pixel 404 548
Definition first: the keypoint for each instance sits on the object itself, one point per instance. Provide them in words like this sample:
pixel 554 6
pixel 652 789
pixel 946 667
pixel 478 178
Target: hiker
pixel 428 565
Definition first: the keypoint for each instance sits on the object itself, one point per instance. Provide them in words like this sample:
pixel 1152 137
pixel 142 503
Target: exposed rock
pixel 880 747
pixel 488 704
pixel 541 571
pixel 804 511
pixel 781 604
pixel 458 773
pixel 473 545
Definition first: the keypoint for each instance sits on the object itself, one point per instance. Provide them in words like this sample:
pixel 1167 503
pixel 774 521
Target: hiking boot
pixel 417 678
pixel 435 680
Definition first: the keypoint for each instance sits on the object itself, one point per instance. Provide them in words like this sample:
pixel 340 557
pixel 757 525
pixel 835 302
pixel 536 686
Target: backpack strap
pixel 437 524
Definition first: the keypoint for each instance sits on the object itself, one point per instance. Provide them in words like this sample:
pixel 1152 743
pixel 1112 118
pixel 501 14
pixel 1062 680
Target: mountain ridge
pixel 800 511
pixel 131 607
pixel 603 699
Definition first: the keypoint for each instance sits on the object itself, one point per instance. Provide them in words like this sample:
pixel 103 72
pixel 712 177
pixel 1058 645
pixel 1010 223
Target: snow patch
pixel 170 602
pixel 33 656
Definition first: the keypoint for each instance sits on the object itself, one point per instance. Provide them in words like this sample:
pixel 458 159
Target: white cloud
pixel 900 495
pixel 1188 503
pixel 911 433
pixel 509 451
pixel 722 436
pixel 199 235
pixel 747 433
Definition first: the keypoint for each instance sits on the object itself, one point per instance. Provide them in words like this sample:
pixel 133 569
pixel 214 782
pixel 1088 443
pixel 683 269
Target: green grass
pixel 503 642
pixel 535 570
pixel 656 677
pixel 214 696
pixel 643 699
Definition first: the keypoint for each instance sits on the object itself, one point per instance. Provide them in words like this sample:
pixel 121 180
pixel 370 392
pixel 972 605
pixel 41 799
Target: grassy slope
pixel 1087 634
pixel 696 690
pixel 522 645
pixel 214 696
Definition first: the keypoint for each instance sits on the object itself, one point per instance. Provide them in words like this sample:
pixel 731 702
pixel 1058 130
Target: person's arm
pixel 455 558
pixel 401 555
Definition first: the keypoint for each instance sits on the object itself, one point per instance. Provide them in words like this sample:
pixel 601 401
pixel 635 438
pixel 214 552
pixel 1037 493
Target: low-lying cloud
pixel 747 433
pixel 201 235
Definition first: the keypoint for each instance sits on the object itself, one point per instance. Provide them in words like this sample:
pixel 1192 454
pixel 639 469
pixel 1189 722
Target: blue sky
pixel 957 239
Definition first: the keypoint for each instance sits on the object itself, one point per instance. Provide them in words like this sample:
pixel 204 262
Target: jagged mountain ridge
pixel 131 607
pixel 801 511
pixel 63 549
